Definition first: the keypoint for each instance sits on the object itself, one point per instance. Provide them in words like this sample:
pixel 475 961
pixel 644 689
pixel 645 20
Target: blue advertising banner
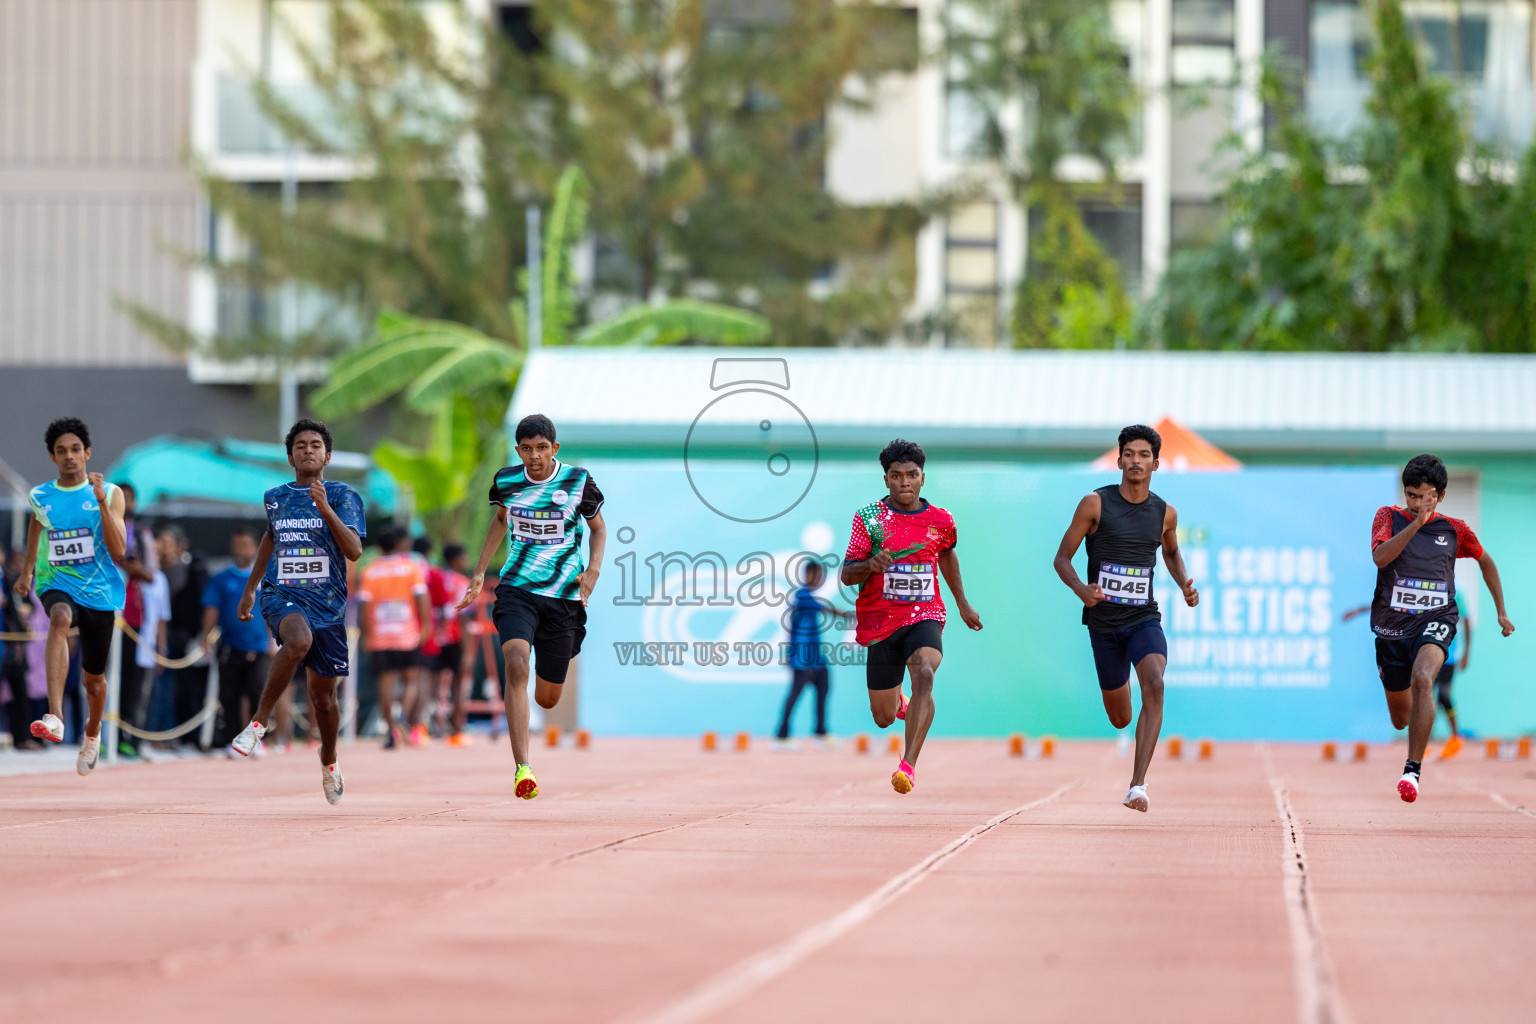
pixel 686 631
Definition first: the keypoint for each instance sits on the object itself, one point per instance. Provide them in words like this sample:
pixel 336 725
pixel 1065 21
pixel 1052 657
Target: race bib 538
pixel 910 581
pixel 71 547
pixel 1417 596
pixel 302 567
pixel 1125 584
pixel 536 527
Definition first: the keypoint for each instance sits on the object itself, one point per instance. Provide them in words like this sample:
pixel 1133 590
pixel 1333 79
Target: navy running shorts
pixel 1116 651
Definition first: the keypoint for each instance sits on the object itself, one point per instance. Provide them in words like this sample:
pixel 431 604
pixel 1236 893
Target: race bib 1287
pixel 911 582
pixel 1125 584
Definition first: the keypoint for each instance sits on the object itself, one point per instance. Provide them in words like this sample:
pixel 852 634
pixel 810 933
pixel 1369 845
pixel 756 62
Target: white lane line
pixel 1317 996
pixel 736 981
pixel 1499 799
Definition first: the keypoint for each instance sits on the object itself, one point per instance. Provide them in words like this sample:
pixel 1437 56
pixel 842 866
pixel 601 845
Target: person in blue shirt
pixel 242 653
pixel 807 666
pixel 78 581
pixel 315 526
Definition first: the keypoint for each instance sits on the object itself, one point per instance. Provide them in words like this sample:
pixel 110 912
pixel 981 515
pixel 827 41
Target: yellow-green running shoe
pixel 527 786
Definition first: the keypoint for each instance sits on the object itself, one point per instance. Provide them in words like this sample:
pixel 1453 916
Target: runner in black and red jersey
pixel 1413 613
pixel 898 547
pixel 1124 525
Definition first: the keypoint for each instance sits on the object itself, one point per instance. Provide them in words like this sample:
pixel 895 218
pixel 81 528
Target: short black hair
pixel 535 425
pixel 900 450
pixel 391 537
pixel 452 551
pixel 245 531
pixel 67 425
pixel 812 565
pixel 308 424
pixel 1141 432
pixel 422 545
pixel 129 488
pixel 1426 469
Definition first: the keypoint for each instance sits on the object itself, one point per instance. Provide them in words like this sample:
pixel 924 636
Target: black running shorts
pixel 553 626
pixel 95 625
pixel 1395 657
pixel 886 660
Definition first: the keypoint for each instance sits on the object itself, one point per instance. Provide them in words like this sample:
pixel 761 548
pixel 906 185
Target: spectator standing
pixel 186 577
pixel 807 666
pixel 138 566
pixel 243 646
pixel 16 617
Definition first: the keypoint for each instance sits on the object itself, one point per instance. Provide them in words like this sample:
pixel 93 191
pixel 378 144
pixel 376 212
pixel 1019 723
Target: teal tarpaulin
pixel 169 469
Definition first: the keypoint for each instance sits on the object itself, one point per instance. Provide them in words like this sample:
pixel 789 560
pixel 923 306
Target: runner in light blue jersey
pixel 315 527
pixel 77 535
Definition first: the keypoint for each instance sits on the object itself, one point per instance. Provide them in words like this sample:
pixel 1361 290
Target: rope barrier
pixel 191 658
pixel 210 708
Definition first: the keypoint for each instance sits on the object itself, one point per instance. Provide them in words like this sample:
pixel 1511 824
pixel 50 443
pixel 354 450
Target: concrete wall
pixel 94 114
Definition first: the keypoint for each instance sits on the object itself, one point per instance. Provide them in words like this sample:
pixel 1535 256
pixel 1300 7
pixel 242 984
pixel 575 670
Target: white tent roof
pixel 1007 399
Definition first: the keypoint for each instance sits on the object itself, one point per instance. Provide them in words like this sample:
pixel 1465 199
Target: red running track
pixel 653 883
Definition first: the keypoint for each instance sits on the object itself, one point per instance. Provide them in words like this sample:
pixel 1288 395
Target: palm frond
pixel 469 365
pixel 679 320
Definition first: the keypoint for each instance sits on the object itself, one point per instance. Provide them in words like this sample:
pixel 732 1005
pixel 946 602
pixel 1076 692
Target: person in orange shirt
pixel 392 615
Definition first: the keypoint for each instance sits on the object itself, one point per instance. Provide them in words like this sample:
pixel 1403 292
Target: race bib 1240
pixel 910 581
pixel 1418 596
pixel 303 567
pixel 71 547
pixel 1125 584
pixel 536 527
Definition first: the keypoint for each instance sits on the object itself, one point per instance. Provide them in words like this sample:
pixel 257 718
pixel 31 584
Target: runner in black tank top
pixel 1124 525
pixel 1413 613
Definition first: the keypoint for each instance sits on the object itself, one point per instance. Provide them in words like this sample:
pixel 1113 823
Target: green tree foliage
pixel 1400 236
pixel 1058 64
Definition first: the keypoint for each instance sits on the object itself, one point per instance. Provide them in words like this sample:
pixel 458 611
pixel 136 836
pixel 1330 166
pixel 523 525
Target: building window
pixel 971 273
pixel 1202 51
pixel 517 24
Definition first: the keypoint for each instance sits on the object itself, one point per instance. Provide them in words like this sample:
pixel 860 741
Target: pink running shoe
pixel 901 714
pixel 904 778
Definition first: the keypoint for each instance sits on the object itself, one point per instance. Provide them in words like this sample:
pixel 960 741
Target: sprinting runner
pixel 316 527
pixel 543 507
pixel 1413 613
pixel 1124 524
pixel 393 613
pixel 1456 659
pixel 897 548
pixel 77 582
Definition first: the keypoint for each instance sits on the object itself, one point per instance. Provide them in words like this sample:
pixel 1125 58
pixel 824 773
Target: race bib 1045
pixel 533 526
pixel 303 567
pixel 1418 596
pixel 1125 584
pixel 71 547
pixel 911 582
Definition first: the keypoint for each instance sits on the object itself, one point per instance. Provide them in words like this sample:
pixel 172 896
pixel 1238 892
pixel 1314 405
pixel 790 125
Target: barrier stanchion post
pixel 210 696
pixel 349 692
pixel 114 693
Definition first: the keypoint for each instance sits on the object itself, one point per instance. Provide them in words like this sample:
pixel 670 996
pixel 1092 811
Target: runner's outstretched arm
pixel 597 541
pixel 494 532
pixel 1084 519
pixel 23 582
pixel 949 565
pixel 258 570
pixel 1173 558
pixel 1495 587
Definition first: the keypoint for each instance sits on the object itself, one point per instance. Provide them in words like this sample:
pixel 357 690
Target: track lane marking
pixel 731 984
pixel 1317 994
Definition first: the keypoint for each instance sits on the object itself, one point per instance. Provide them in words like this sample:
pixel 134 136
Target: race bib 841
pixel 71 547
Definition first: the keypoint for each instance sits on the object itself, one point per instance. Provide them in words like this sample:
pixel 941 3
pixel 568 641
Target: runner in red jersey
pixel 1413 613
pixel 896 550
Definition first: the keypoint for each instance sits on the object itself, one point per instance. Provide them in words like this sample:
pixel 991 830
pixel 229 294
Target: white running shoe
pixel 248 738
pixel 1408 787
pixel 90 750
pixel 49 728
pixel 333 784
pixel 1136 799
